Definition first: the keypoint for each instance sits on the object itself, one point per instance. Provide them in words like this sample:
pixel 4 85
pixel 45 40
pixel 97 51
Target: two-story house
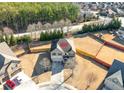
pixel 63 50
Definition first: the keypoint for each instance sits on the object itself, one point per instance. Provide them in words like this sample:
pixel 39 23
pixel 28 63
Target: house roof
pixel 7 53
pixel 116 66
pixel 6 57
pixel 117 78
pixel 56 44
pixel 64 45
pixel 72 44
pixel 121 31
pixel 114 82
pixel 116 74
pixel 25 82
pixel 4 48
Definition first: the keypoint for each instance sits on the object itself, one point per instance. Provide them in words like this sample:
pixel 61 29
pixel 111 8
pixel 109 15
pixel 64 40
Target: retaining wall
pixel 93 57
pixel 116 46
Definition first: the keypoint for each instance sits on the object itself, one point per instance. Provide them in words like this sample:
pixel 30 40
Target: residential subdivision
pixel 62 46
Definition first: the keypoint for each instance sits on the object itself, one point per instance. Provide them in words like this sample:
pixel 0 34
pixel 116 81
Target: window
pixel 53 54
pixel 59 54
pixel 14 67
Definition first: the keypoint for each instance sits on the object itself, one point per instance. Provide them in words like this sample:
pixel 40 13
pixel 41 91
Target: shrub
pixel 1 38
pixel 113 25
pixel 56 34
pixel 13 41
pixel 26 39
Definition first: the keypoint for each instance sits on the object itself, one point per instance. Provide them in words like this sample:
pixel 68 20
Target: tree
pixel 30 29
pixel 39 26
pixel 47 26
pixel 26 39
pixel 34 29
pixel 68 23
pixel 6 39
pixel 91 78
pixel 19 15
pixel 55 25
pixel 13 40
pixel 61 24
pixel 1 38
pixel 56 34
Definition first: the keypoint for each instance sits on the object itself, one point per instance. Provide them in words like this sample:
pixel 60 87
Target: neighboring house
pixel 9 63
pixel 63 50
pixel 120 12
pixel 120 34
pixel 88 13
pixel 115 77
pixel 20 81
pixel 111 12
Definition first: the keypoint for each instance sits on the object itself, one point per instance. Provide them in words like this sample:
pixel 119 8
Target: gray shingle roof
pixel 116 66
pixel 115 77
pixel 6 57
pixel 7 53
pixel 54 44
pixel 4 48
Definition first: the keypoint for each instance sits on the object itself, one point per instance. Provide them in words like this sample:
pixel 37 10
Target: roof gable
pixel 64 45
pixel 72 44
pixel 116 66
pixel 116 73
pixel 4 49
pixel 116 78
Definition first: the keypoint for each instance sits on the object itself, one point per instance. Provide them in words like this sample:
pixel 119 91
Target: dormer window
pixel 59 54
pixel 53 54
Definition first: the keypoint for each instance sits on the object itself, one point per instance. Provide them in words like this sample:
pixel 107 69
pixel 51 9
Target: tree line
pixel 49 35
pixel 11 40
pixel 113 25
pixel 44 36
pixel 19 15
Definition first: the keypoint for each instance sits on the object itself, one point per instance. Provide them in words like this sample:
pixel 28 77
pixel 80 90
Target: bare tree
pixel 47 26
pixel 29 29
pixel 61 24
pixel 7 31
pixel 68 23
pixel 55 25
pixel 1 32
pixel 91 78
pixel 39 26
pixel 34 28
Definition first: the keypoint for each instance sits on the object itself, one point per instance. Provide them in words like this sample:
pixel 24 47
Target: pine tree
pixel 12 40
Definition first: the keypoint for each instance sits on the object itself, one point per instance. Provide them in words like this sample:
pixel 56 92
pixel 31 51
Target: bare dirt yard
pixel 108 54
pixel 84 72
pixel 87 44
pixel 87 73
pixel 84 69
pixel 28 62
